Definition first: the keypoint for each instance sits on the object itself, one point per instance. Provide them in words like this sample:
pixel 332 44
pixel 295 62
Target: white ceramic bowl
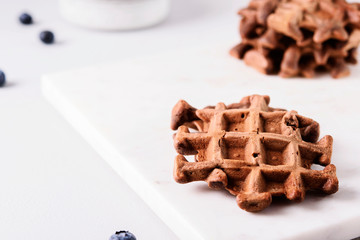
pixel 114 14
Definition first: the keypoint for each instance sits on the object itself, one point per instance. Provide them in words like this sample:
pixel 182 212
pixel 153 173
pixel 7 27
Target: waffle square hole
pixel 275 181
pixel 309 157
pixel 276 151
pixel 271 121
pixel 197 147
pixel 235 121
pixel 201 155
pixel 234 148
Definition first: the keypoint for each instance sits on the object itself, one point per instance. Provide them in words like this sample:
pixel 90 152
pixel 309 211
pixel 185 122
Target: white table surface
pixel 53 185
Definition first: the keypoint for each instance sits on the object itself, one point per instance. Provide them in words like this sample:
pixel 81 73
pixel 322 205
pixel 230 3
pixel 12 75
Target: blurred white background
pixel 53 185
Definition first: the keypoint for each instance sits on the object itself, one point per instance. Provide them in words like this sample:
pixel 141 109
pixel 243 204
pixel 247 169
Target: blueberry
pixel 25 18
pixel 123 235
pixel 2 78
pixel 47 37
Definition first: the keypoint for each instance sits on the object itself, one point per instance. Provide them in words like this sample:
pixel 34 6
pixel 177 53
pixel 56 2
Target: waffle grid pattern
pixel 299 37
pixel 253 151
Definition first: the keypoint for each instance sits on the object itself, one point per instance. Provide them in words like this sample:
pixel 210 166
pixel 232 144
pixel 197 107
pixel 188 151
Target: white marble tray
pixel 123 111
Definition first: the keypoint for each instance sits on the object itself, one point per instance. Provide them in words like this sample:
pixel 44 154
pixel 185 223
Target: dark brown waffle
pixel 253 151
pixel 299 37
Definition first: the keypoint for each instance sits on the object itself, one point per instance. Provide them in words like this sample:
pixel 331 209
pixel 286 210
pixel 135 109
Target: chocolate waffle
pixel 299 37
pixel 253 151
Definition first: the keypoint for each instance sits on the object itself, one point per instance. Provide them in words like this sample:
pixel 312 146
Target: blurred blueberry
pixel 123 235
pixel 47 37
pixel 25 18
pixel 2 78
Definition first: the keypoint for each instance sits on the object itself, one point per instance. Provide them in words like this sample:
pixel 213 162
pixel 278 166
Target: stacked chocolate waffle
pixel 253 151
pixel 299 37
